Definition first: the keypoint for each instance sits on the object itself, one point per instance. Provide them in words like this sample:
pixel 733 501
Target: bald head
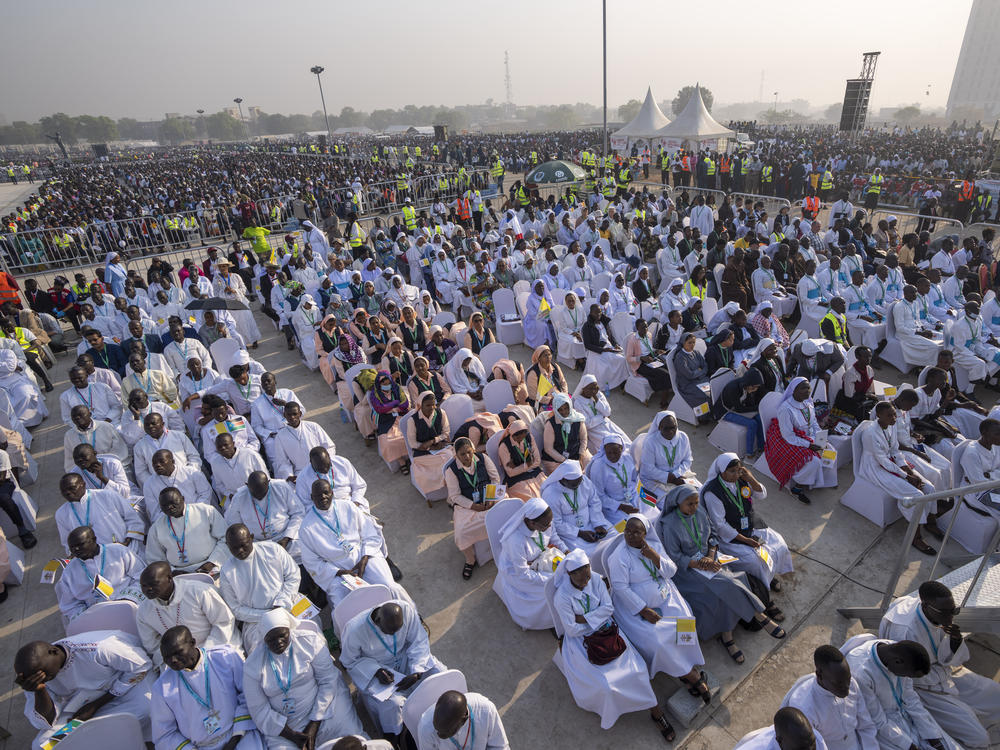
pixel 792 730
pixel 388 617
pixel 450 713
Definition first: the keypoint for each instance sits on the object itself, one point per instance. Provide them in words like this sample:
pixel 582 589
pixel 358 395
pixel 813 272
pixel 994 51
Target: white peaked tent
pixel 643 128
pixel 694 128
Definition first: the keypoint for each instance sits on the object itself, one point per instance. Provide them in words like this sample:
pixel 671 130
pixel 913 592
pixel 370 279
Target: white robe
pixel 106 512
pixel 483 730
pixel 907 321
pixel 174 441
pixel 266 418
pixel 240 396
pixel 810 294
pixel 75 589
pixel 763 739
pixel 114 472
pixel 570 322
pixel 883 466
pixel 844 722
pixel 245 322
pixel 178 354
pixel 99 398
pixel 597 418
pixel 192 483
pixel 661 458
pixel 276 516
pixel 292 446
pixel 235 425
pixel 101 436
pixel 231 474
pixel 972 351
pixel 202 531
pixel 131 425
pixel 766 287
pixel 523 589
pixel 268 579
pixel 305 323
pixel 348 485
pixel 26 398
pixel 587 515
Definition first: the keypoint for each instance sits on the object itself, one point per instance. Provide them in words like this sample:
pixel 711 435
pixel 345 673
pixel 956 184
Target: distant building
pixel 975 89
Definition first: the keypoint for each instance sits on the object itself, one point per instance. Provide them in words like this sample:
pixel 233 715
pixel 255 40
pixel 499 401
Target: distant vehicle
pixel 744 141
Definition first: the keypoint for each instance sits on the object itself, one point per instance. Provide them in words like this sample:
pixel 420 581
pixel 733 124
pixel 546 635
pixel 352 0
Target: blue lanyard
pixel 72 507
pixel 180 542
pixel 327 523
pixel 267 510
pixel 897 689
pixel 288 673
pixel 381 639
pixel 92 478
pixel 104 552
pixel 89 401
pixel 471 734
pixel 205 702
pixel 926 627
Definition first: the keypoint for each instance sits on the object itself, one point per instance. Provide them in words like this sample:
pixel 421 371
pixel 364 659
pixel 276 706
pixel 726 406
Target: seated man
pixel 965 705
pixel 791 731
pixel 269 508
pixel 293 689
pixel 347 483
pixel 105 511
pixel 222 421
pixel 168 473
pixel 198 700
pixel 242 388
pixel 293 442
pixel 158 437
pixel 231 467
pixel 137 408
pixel 188 536
pixel 103 437
pixel 885 670
pixel 101 472
pixel 103 403
pixel 611 368
pixel 382 646
pixel 179 349
pixel 833 703
pixel 156 384
pixel 80 678
pixel 459 717
pixel 171 601
pixel 76 588
pixel 914 331
pixel 267 412
pixel 816 360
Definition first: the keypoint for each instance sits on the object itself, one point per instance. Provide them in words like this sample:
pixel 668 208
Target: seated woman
pixel 376 339
pixel 427 308
pixel 648 606
pixel 390 313
pixel 692 319
pixel 305 320
pixel 412 330
pixel 478 335
pixel 666 456
pixel 564 435
pixel 692 372
pixel 465 374
pixel 340 360
pixel 398 361
pixel 670 334
pixel 538 328
pixel 571 319
pixel 720 355
pixel 621 297
pixel 768 325
pixel 424 379
pixel 738 403
pixel 428 435
pixel 768 362
pixel 513 373
pixel 577 510
pixel 467 476
pixel 25 396
pixel 596 411
pixel 790 447
pixel 544 366
pixel 389 403
pixel 439 348
pixel 402 293
pixel 646 361
pixel 616 479
pixel 359 326
pixel 529 547
pixel 720 601
pixel 729 496
pixel 857 395
pixel 723 317
pixel 327 338
pixel 521 461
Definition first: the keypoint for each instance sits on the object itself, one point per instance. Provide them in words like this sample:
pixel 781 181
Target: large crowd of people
pixel 200 496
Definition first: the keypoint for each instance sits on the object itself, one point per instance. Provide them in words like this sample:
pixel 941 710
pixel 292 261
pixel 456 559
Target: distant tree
pixel 223 127
pixel 298 124
pixel 20 133
pixel 562 117
pixel 771 117
pixel 680 101
pixel 97 129
pixel 128 128
pixel 908 114
pixel 351 118
pixel 628 111
pixel 176 129
pixel 61 123
pixel 455 119
pixel 832 113
pixel 380 119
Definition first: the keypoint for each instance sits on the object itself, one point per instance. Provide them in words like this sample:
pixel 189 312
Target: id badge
pixel 211 723
pixel 579 522
pixel 288 706
pixel 183 558
pixel 565 454
pixel 476 496
pixel 348 547
pixel 744 522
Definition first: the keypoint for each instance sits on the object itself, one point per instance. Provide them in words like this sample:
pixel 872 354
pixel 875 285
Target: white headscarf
pixel 586 380
pixel 759 349
pixel 568 469
pixel 456 374
pixel 277 618
pixel 532 509
pixel 720 464
pixel 790 390
pixel 8 362
pixel 558 400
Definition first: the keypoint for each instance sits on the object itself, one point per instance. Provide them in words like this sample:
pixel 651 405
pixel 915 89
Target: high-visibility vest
pixel 409 162
pixel 709 167
pixel 409 218
pixel 640 215
pixel 839 327
pixel 983 201
pixel 609 161
pixel 497 170
pixel 464 212
pixel 584 156
pixel 812 204
pixel 686 164
pixel 358 235
pixel 777 237
pixel 190 223
pixel 827 182
pixel 172 223
pixel 725 164
pixel 623 178
pixel 443 184
pixel 81 291
pixel 417 151
pixel 435 150
pixel 665 161
pixel 26 169
pixel 591 181
pixel 744 165
pixel 693 290
pixel 401 181
pixel 275 214
pixel 19 334
pixel 533 158
pixel 968 186
pixel 767 174
pixel 875 183
pixel 10 171
pixel 522 196
pixel 7 291
pixel 608 187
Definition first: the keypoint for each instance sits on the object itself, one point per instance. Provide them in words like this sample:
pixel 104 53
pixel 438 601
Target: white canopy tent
pixel 643 127
pixel 694 129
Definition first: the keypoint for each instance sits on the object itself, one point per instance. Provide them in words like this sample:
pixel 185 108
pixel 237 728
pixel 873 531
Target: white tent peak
pixel 695 121
pixel 649 120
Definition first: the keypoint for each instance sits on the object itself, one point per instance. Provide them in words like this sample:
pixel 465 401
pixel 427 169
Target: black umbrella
pixel 215 303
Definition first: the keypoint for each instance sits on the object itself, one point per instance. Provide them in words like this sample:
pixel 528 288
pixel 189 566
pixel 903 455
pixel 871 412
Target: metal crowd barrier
pixel 909 222
pixel 772 203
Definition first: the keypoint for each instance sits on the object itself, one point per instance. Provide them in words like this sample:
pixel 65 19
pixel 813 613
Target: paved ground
pixel 470 628
pixel 14 195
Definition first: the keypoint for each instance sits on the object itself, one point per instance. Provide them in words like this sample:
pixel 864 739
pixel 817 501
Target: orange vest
pixel 464 212
pixel 8 292
pixel 967 188
pixel 725 164
pixel 686 163
pixel 812 204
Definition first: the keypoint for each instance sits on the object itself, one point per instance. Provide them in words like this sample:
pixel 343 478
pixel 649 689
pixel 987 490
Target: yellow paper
pixel 304 609
pixel 544 386
pixel 103 587
pixel 620 526
pixel 725 559
pixel 764 555
pixel 889 390
pixel 544 307
pixel 701 409
pixel 829 454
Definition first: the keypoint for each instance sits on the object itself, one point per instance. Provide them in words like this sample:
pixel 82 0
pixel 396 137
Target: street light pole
pixel 775 101
pixel 316 70
pixel 604 24
pixel 238 101
pixel 201 120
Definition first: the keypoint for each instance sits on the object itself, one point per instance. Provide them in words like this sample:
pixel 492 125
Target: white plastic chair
pixel 522 302
pixel 601 281
pixel 224 353
pixel 16 556
pixel 440 493
pixel 621 325
pixel 637 449
pixel 120 731
pixel 496 517
pixel 522 286
pixel 457 332
pixel 493 353
pixel 496 395
pixel 893 351
pixel 508 331
pixel 203 578
pixel 599 562
pixel 426 693
pixel 865 498
pixel 458 407
pixel 717 277
pixel 443 318
pixel 678 405
pixel 709 307
pixel 973 530
pixel 357 601
pixel 29 512
pixel 493 451
pixel 114 615
pixel 728 437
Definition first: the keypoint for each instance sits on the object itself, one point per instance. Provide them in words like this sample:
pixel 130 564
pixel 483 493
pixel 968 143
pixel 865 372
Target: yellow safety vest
pixel 409 218
pixel 358 235
pixel 875 184
pixel 709 167
pixel 766 173
pixel 827 182
pixel 497 170
pixel 839 328
pixel 694 290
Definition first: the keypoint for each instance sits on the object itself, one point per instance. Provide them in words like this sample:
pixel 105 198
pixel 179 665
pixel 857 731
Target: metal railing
pixel 772 203
pixel 909 222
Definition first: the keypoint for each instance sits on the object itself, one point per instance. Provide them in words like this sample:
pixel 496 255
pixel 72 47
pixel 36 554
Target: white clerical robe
pixel 99 398
pixel 97 662
pixel 364 649
pixel 114 473
pixel 483 730
pixel 178 354
pixel 234 425
pixel 174 441
pixel 110 378
pixel 106 512
pixel 101 436
pixel 523 587
pixel 883 467
pixel 157 384
pixel 844 722
pixel 268 579
pixel 230 474
pixel 181 717
pixel 292 446
pixel 192 483
pixel 188 543
pixel 763 739
pixel 810 294
pixel 196 605
pixel 577 510
pixel 75 589
pixel 971 349
pixel 274 517
pixel 131 424
pixel 240 396
pixel 347 483
pixel 266 418
pixel 916 348
pixel 766 287
pixel 314 692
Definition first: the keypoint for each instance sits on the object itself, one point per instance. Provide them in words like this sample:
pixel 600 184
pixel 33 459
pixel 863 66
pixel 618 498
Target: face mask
pixel 386 388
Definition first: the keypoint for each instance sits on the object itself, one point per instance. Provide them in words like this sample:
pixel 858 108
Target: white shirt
pixel 189 542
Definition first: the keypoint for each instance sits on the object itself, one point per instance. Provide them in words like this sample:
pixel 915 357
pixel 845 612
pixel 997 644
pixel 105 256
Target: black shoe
pixel 49 387
pixel 3 595
pixel 28 540
pixel 801 496
pixel 397 574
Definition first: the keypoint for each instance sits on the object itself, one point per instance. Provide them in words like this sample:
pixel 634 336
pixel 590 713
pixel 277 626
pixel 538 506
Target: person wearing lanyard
pixel 615 477
pixel 199 699
pixel 467 721
pixel 578 514
pixel 105 511
pixel 76 589
pixel 269 508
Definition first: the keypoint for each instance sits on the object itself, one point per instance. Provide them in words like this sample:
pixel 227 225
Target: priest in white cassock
pixel 103 403
pixel 443 271
pixel 382 646
pixel 766 287
pixel 578 513
pixel 192 483
pixel 812 299
pixel 230 286
pixel 137 408
pixel 180 349
pixel 974 349
pixel 221 420
pixel 915 334
pixel 104 437
pixel 102 472
pixel 293 689
pixel 170 602
pixel 267 412
pixel 348 485
pixel 470 719
pixel 791 731
pixel 188 536
pixel 259 577
pixel 76 589
pixel 198 701
pixel 270 509
pixel 195 378
pixel 105 511
pixel 240 385
pixel 158 438
pixel 885 670
pixel 966 705
pixel 82 676
pixel 231 467
pixel 339 542
pixel 293 442
pixel 832 701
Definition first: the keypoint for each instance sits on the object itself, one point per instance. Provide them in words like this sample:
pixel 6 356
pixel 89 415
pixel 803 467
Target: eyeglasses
pixel 946 612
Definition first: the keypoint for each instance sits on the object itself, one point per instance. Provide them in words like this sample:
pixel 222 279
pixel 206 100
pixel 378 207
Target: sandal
pixel 734 652
pixel 774 629
pixel 799 494
pixel 700 689
pixel 404 469
pixel 775 613
pixel 775 585
pixel 666 731
pixel 467 570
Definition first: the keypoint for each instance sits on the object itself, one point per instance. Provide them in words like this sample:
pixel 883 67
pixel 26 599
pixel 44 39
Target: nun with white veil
pixel 305 321
pixel 316 240
pixel 723 317
pixel 529 548
pixel 605 673
pixel 466 374
pixel 402 293
pixel 730 493
pixel 616 479
pixel 593 405
pixel 25 397
pixel 577 510
pixel 790 445
pixel 572 316
pixel 648 606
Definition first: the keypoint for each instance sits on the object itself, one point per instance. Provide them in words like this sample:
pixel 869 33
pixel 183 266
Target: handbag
pixel 605 645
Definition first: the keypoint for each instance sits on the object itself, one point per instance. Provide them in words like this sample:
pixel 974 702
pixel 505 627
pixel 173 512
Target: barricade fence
pixel 938 226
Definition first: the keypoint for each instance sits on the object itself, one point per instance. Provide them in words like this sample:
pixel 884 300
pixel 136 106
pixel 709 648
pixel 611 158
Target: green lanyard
pixel 574 503
pixel 670 456
pixel 724 355
pixel 470 478
pixel 540 542
pixel 653 572
pixel 737 500
pixel 585 603
pixel 696 533
pixel 623 477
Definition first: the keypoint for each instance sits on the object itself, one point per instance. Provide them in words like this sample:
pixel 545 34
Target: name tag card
pixel 50 569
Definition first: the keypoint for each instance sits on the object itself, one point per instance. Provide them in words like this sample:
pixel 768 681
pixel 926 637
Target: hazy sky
pixel 137 58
